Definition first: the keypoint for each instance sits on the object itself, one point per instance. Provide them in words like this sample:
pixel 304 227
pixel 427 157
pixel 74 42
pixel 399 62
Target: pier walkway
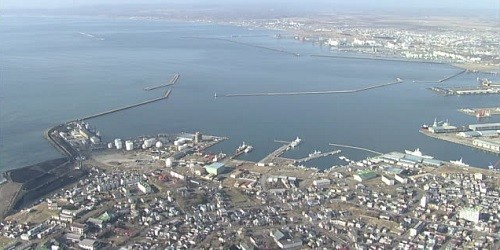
pixel 354 147
pixel 318 92
pixel 170 83
pixel 165 96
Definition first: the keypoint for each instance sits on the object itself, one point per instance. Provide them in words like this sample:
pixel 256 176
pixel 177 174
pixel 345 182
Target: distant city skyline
pixel 314 5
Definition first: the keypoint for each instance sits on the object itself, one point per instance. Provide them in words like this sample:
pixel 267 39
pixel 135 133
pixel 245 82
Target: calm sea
pixel 54 69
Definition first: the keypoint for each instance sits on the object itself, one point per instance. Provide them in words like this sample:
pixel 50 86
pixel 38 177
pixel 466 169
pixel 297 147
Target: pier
pixel 348 91
pixel 312 157
pixel 165 96
pixel 443 79
pixel 170 83
pixel 278 152
pixel 248 44
pixel 354 147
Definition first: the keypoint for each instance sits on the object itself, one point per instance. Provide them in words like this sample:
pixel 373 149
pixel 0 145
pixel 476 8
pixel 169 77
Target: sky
pixel 308 4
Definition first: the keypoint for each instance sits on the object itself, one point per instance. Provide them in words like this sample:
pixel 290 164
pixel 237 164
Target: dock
pixel 316 156
pixel 443 79
pixel 172 81
pixel 348 91
pixel 165 96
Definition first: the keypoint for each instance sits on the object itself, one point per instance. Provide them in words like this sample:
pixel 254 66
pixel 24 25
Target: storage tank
pixel 159 144
pixel 149 142
pixel 110 145
pixel 118 143
pixel 129 145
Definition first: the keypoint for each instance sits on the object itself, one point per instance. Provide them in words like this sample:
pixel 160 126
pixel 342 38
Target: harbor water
pixel 55 69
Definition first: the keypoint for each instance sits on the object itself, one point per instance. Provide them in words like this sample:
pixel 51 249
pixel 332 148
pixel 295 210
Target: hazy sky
pixel 309 4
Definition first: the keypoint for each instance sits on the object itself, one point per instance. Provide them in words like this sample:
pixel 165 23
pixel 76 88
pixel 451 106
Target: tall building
pixel 198 137
pixel 423 201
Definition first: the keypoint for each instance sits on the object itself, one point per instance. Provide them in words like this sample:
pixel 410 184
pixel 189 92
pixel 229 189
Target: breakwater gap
pixel 245 44
pixel 347 91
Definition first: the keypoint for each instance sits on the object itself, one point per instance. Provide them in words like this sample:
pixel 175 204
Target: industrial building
pixel 445 129
pixel 364 175
pixel 485 126
pixel 215 168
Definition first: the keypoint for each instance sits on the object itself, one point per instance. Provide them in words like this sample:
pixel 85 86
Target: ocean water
pixel 50 73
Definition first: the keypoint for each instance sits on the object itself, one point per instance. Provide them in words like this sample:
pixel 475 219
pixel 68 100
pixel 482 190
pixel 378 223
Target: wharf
pixel 277 153
pixel 170 83
pixel 348 91
pixel 452 137
pixel 478 111
pixel 165 96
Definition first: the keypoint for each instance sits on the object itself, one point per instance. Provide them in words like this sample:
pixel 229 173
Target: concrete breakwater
pixel 348 91
pixel 247 44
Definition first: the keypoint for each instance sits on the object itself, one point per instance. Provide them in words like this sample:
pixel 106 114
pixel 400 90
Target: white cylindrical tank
pixel 144 146
pixel 118 143
pixel 110 145
pixel 129 145
pixel 149 142
pixel 169 162
pixel 159 144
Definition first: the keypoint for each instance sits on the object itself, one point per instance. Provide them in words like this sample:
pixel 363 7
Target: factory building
pixel 215 168
pixel 445 129
pixel 322 183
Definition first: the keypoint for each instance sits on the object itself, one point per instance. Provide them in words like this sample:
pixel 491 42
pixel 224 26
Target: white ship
pixel 315 153
pixel 241 148
pixel 248 149
pixel 295 142
pixel 459 163
pixel 418 153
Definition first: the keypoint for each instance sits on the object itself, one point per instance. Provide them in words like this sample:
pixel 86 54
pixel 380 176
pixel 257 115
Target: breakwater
pixel 165 96
pixel 172 81
pixel 246 44
pixel 348 91
pixel 446 78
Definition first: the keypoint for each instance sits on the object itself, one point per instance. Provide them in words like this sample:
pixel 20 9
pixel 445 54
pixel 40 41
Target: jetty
pixel 165 96
pixel 348 91
pixel 172 81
